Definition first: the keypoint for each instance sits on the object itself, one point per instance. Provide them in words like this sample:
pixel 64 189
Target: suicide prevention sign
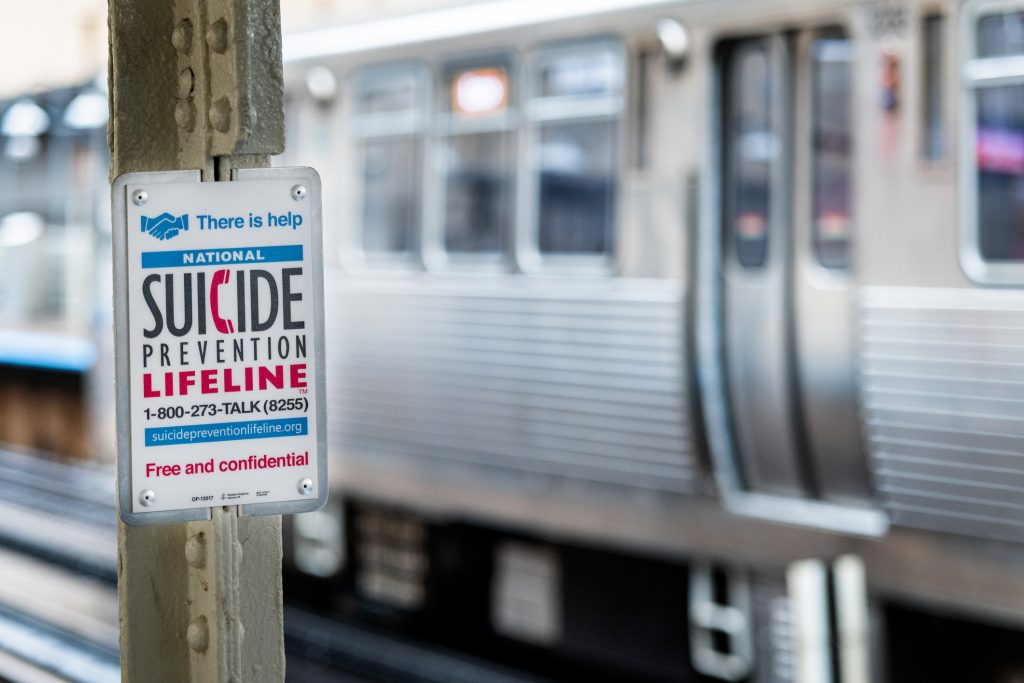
pixel 218 297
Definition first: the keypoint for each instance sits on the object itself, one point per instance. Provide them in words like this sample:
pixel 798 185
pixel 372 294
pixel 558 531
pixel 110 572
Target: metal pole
pixel 197 84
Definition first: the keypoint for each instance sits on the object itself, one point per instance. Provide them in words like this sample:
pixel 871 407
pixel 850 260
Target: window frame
pixel 413 125
pixel 816 242
pixel 432 125
pixel 793 174
pixel 538 110
pixel 771 45
pixel 977 73
pixel 446 126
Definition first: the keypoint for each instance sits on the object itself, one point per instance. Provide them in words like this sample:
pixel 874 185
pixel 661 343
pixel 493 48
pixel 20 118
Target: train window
pixel 52 153
pixel 84 126
pixel 478 157
pixel 1000 172
pixel 389 123
pixel 587 72
pixel 1000 35
pixel 934 77
pixel 391 198
pixel 30 178
pixel 831 148
pixel 575 113
pixel 395 91
pixel 995 198
pixel 752 149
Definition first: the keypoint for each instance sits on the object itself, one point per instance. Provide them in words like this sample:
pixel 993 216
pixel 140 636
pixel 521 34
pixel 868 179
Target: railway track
pixel 56 624
pixel 58 596
pixel 59 512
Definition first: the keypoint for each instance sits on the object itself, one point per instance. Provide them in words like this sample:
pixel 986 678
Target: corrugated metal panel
pixel 773 632
pixel 942 399
pixel 574 379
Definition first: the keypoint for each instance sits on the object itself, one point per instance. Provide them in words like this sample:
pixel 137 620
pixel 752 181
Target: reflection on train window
pixel 576 113
pixel 582 73
pixel 1000 35
pixel 1000 161
pixel 393 92
pixel 752 149
pixel 998 137
pixel 29 181
pixel 391 207
pixel 577 186
pixel 26 176
pixel 831 148
pixel 389 125
pixel 478 192
pixel 478 159
pixel 52 158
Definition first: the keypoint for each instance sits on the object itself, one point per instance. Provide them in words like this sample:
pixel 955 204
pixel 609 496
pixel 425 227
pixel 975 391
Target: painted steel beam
pixel 197 84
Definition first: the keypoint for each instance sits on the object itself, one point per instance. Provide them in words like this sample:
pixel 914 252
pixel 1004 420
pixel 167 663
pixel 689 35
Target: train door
pixel 781 275
pixel 822 296
pixel 756 265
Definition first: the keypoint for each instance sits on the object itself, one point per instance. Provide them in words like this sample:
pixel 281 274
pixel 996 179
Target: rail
pixel 59 512
pixel 58 600
pixel 55 623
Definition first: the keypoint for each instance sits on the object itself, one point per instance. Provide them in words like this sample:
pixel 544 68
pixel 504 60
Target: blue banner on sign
pixel 214 257
pixel 226 431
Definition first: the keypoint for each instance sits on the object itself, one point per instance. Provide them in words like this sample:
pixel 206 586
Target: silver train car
pixel 681 339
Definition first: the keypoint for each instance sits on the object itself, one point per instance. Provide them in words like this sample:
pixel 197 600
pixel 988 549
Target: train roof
pixel 448 23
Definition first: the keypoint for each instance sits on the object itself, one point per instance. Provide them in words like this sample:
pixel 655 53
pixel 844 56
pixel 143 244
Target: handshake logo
pixel 165 226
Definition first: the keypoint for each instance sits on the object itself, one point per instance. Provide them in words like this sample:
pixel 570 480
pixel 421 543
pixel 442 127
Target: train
pixel 683 339
pixel 666 339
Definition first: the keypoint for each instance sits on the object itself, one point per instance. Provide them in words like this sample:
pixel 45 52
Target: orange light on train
pixel 480 92
pixel 833 225
pixel 751 225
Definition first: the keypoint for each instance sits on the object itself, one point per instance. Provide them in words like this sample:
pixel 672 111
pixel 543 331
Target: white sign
pixel 219 326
